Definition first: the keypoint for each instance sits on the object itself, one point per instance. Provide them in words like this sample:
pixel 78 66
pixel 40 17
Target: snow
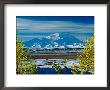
pixel 43 63
pixel 54 36
pixel 71 62
pixel 70 46
pixel 49 46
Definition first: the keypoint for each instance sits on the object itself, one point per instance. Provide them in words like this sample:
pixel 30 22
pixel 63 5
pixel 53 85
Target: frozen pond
pixel 43 63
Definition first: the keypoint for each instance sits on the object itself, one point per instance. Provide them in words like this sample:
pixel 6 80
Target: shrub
pixel 23 65
pixel 76 69
pixel 26 68
pixel 86 59
pixel 56 68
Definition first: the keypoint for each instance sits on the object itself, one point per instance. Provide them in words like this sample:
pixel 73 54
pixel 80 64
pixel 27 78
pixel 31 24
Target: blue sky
pixel 28 26
pixel 81 19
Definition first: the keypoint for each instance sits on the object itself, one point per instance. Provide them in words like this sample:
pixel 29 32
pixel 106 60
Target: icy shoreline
pixel 43 63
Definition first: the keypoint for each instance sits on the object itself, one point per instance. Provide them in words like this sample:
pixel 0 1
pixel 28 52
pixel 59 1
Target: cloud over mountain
pixel 54 36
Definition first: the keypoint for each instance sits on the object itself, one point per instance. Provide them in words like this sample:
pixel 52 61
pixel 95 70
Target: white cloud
pixel 25 25
pixel 55 36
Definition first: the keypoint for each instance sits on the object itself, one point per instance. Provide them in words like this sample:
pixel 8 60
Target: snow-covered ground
pixel 43 63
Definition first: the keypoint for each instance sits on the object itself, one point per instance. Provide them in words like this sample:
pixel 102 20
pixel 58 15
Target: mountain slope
pixel 63 39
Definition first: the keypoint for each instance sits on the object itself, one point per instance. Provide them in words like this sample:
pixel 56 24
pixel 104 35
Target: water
pixel 45 66
pixel 52 71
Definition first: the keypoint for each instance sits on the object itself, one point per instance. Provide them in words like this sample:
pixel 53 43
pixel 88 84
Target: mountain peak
pixel 53 39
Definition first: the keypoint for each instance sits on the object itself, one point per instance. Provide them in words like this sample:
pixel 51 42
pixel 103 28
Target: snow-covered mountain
pixel 61 39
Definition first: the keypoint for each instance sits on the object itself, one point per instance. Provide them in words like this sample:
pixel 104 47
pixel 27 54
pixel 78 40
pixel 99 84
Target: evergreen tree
pixel 86 59
pixel 23 65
